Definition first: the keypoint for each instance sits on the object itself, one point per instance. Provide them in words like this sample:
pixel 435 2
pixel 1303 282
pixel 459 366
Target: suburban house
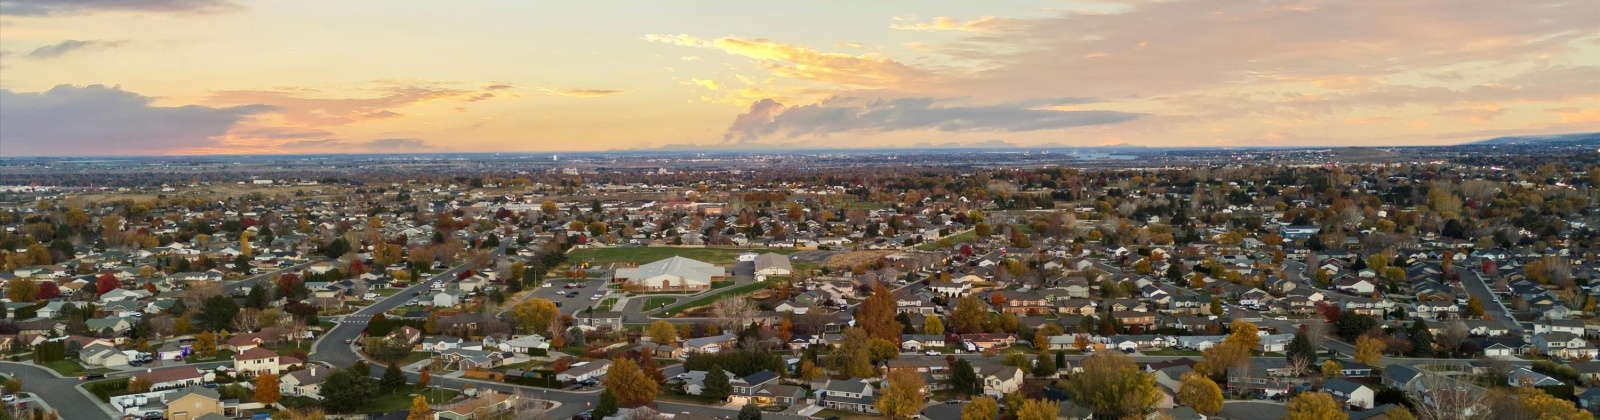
pixel 712 344
pixel 472 359
pixel 1352 394
pixel 441 343
pixel 745 388
pixel 849 395
pixel 598 320
pixel 305 382
pixel 489 402
pixel 256 361
pixel 675 273
pixel 918 342
pixel 101 354
pixel 193 403
pixel 525 344
pixel 999 380
pixel 175 377
pixel 583 371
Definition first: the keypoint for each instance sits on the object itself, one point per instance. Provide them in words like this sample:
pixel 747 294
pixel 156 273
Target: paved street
pixel 61 393
pixel 243 286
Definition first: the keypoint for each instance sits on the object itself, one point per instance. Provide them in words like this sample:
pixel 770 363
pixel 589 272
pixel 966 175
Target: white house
pixel 1353 394
pixel 675 273
pixel 583 371
pixel 305 382
pixel 772 264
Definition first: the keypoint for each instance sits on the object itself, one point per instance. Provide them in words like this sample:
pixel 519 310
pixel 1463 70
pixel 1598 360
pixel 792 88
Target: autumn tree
pixel 419 409
pixel 1315 406
pixel 1332 369
pixel 1244 333
pixel 662 332
pixel 1037 409
pixel 629 382
pixel 106 283
pixel 931 325
pixel 1216 359
pixel 902 398
pixel 205 343
pixel 23 290
pixel 970 315
pixel 267 388
pixel 1200 392
pixel 138 385
pixel 876 315
pixel 536 315
pixel 1113 385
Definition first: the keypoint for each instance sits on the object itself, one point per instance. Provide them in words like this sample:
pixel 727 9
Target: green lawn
pixel 402 400
pixel 66 367
pixel 713 297
pixel 388 292
pixel 643 255
pixel 221 355
pixel 605 304
pixel 842 414
pixel 657 302
pixel 289 347
pixel 959 238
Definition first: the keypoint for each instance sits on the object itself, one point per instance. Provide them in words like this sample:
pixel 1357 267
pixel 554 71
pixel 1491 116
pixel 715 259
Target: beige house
pixel 193 403
pixel 256 361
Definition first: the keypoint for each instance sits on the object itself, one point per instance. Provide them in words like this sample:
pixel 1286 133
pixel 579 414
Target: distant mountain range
pixel 1552 138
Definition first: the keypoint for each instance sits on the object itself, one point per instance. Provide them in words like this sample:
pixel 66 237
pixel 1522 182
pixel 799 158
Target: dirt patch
pixel 855 258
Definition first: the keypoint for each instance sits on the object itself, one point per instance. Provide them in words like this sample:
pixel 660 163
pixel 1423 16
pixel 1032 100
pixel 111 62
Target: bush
pixel 545 378
pixel 1560 371
pixel 106 389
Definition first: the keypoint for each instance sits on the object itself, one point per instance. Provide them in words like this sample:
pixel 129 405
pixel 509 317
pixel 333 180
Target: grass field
pixel 603 257
pixel 605 305
pixel 959 238
pixel 66 367
pixel 657 302
pixel 713 297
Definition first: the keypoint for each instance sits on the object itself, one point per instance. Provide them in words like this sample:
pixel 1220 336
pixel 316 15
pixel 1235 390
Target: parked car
pixel 9 398
pixel 92 376
pixel 931 352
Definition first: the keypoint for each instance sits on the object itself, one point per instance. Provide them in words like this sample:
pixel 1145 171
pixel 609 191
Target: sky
pixel 162 77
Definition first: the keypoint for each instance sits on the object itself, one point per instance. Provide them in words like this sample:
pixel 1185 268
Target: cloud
pixel 69 7
pixel 582 93
pixel 306 107
pixel 858 71
pixel 63 47
pixel 768 117
pixel 100 120
pixel 982 24
pixel 708 84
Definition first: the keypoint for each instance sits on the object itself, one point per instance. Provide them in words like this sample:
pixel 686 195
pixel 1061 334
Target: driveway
pixel 1254 410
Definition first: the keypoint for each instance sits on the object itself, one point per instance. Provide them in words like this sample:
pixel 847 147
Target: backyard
pixel 714 296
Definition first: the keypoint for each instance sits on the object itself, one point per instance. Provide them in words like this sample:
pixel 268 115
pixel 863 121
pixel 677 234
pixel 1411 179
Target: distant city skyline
pixel 153 77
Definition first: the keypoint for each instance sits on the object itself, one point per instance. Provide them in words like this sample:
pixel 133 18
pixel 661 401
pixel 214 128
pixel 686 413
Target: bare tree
pixel 1453 336
pixel 245 320
pixel 1443 398
pixel 733 312
pixel 1316 333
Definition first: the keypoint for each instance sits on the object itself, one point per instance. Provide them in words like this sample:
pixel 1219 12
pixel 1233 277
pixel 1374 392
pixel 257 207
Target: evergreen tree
pixel 393 378
pixel 1044 367
pixel 257 297
pixel 717 387
pixel 607 406
pixel 1421 340
pixel 1301 351
pixel 963 379
pixel 750 412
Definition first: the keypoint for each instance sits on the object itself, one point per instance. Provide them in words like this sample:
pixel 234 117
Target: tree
pixel 1369 350
pixel 217 313
pixel 424 377
pixel 1474 307
pixel 137 385
pixel 346 390
pixel 393 379
pixel 1352 325
pixel 963 379
pixel 854 356
pixel 662 332
pixel 1245 334
pixel 1332 369
pixel 1016 359
pixel 902 398
pixel 1400 412
pixel 1315 406
pixel 1421 339
pixel 931 325
pixel 23 290
pixel 608 405
pixel 876 315
pixel 48 290
pixel 421 411
pixel 106 283
pixel 632 386
pixel 750 412
pixel 1300 352
pixel 267 388
pixel 205 343
pixel 1200 392
pixel 970 315
pixel 1037 409
pixel 1113 385
pixel 1044 366
pixel 717 386
pixel 1216 360
pixel 981 408
pixel 536 315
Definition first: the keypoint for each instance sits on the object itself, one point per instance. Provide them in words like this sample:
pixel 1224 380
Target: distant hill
pixel 1573 137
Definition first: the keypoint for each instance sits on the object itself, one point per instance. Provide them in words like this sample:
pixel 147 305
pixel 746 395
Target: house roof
pixel 1343 386
pixel 681 267
pixel 256 353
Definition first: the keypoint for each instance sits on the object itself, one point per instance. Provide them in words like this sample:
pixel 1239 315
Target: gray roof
pixel 676 266
pixel 199 390
pixel 1343 386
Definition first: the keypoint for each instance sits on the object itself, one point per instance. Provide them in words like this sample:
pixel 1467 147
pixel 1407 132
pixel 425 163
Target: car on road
pixel 1282 318
pixel 567 286
pixel 89 376
pixel 931 352
pixel 349 340
pixel 416 293
pixel 595 297
pixel 412 302
pixel 9 398
pixel 548 285
pixel 581 285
